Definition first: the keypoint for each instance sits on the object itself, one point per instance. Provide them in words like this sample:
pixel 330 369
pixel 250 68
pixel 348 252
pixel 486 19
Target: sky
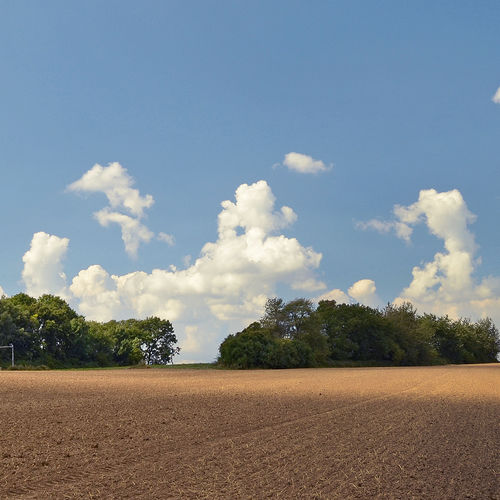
pixel 188 160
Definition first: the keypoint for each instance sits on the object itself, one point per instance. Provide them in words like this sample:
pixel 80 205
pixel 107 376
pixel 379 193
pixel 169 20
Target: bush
pixel 257 347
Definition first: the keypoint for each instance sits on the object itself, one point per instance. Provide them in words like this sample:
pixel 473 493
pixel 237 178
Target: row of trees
pixel 47 331
pixel 296 334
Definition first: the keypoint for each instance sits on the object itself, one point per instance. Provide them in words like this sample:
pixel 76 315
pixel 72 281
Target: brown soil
pixel 316 433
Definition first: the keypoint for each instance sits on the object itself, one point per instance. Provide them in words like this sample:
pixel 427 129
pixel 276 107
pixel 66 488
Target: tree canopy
pixel 47 331
pixel 296 334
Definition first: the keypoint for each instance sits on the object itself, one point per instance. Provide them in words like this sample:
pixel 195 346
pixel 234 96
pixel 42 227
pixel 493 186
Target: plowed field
pixel 316 433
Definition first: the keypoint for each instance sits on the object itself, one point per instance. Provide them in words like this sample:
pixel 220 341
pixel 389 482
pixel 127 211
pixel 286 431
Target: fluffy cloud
pixel 363 292
pixel 445 214
pixel 2 293
pixel 98 298
pixel 448 277
pixel 222 290
pixel 304 164
pixel 43 268
pixel 336 294
pixel 133 231
pixel 446 284
pixel 496 97
pixel 116 184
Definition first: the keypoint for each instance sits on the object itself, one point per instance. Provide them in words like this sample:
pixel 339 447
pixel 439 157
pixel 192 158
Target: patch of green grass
pixel 25 367
pixel 189 366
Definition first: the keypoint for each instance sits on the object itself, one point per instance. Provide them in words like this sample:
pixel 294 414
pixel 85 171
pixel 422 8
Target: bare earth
pixel 315 433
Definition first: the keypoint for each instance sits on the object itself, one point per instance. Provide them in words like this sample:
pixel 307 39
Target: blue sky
pixel 194 100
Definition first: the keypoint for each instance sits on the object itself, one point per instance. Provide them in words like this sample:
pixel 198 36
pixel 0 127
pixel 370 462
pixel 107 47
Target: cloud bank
pixel 226 287
pixel 304 164
pixel 229 282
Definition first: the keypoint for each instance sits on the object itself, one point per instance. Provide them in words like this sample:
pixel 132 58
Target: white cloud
pixel 2 293
pixel 167 238
pixel 337 295
pixel 365 292
pixel 115 182
pixel 401 229
pixel 496 97
pixel 449 276
pixel 221 291
pixel 446 284
pixel 133 231
pixel 98 298
pixel 446 215
pixel 43 269
pixel 191 342
pixel 304 164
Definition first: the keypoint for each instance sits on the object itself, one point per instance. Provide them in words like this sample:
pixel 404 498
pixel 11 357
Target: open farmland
pixel 317 433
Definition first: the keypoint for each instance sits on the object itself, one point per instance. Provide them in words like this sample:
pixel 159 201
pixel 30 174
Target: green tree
pixel 258 347
pixel 297 320
pixel 157 340
pixel 253 347
pixel 55 330
pixel 358 332
pixel 412 335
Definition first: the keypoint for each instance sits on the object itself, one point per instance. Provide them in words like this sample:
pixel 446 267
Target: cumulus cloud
pixel 115 182
pixel 446 284
pixel 223 289
pixel 365 292
pixel 336 294
pixel 362 292
pixel 2 293
pixel 304 164
pixel 449 275
pixel 496 97
pixel 133 231
pixel 98 301
pixel 43 267
pixel 445 214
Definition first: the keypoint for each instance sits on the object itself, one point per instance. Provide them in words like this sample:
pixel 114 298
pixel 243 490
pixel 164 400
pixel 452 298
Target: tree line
pixel 298 334
pixel 47 331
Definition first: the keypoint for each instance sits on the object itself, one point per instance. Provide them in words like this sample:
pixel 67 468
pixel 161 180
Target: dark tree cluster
pixel 297 334
pixel 47 331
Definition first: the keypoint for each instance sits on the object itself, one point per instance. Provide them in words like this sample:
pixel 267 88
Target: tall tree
pixel 158 340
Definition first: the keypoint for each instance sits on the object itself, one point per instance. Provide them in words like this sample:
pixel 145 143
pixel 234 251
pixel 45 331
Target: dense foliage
pixel 296 334
pixel 46 331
